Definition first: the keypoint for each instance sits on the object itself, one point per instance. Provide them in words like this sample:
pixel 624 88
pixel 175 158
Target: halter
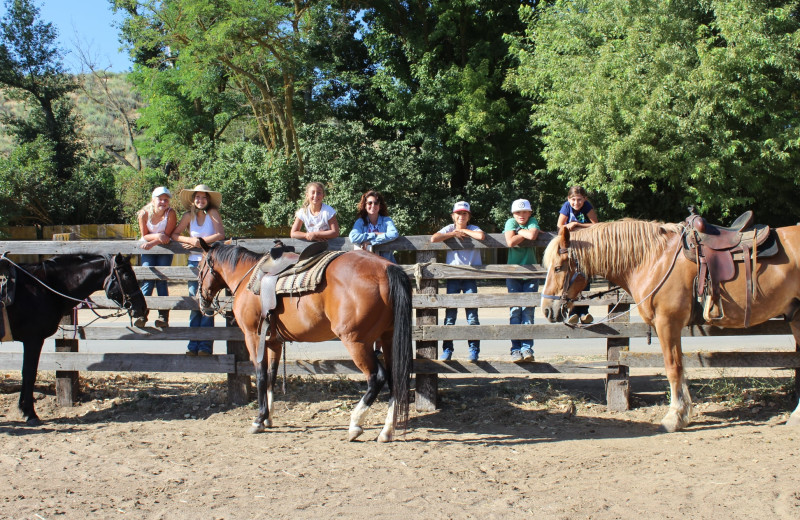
pixel 208 267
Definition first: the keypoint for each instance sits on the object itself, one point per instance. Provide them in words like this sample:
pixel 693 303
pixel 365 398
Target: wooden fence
pixel 427 333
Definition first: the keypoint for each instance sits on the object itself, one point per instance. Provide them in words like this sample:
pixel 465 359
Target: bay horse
pixel 644 258
pixel 47 291
pixel 362 298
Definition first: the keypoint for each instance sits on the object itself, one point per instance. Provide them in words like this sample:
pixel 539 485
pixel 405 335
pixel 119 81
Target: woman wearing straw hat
pixel 202 220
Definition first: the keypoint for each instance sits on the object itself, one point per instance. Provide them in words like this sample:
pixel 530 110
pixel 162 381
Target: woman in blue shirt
pixel 374 225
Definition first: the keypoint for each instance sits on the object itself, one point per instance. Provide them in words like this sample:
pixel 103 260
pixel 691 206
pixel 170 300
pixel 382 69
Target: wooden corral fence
pixel 425 274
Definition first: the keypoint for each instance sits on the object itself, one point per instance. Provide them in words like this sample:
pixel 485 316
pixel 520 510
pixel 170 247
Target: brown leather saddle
pixel 717 249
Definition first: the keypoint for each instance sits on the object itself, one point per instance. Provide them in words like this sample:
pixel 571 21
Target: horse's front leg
pixel 30 364
pixel 266 373
pixel 680 408
pixel 794 419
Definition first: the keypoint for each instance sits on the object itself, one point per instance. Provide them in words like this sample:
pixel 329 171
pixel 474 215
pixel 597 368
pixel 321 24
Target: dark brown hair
pixel 362 205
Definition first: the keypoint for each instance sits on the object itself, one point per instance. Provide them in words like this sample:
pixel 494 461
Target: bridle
pixel 113 275
pixel 573 273
pixel 212 302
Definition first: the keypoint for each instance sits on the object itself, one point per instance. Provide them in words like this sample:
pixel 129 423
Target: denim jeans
pixel 521 315
pixel 160 285
pixel 467 287
pixel 198 319
pixel 580 310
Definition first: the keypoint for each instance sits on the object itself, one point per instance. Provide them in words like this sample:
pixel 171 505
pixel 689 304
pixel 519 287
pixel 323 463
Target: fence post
pixel 427 385
pixel 238 384
pixel 618 389
pixel 66 380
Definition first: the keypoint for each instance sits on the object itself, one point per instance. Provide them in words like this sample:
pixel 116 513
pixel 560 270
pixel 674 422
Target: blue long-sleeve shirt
pixel 361 233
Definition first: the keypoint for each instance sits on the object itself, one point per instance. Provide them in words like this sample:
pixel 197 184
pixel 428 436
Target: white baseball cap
pixel 461 206
pixel 520 205
pixel 161 190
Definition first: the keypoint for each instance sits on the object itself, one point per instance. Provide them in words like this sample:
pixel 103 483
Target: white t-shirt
pixel 462 256
pixel 318 222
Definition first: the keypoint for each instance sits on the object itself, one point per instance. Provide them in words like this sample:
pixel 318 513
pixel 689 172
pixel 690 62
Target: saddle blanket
pixel 303 277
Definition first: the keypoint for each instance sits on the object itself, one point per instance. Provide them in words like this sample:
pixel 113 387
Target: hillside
pixel 102 125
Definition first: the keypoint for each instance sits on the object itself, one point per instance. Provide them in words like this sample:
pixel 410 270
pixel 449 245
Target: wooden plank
pixel 147 333
pixel 561 331
pixel 618 384
pixel 483 300
pixel 430 367
pixel 133 362
pixel 715 359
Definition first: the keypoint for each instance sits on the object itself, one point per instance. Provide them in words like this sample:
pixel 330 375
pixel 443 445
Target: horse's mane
pixel 231 255
pixel 616 247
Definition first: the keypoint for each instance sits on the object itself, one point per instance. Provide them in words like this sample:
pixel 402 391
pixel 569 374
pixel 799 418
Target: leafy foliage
pixel 658 105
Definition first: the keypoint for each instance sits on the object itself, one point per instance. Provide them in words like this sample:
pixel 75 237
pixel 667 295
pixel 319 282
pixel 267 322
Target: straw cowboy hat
pixel 187 196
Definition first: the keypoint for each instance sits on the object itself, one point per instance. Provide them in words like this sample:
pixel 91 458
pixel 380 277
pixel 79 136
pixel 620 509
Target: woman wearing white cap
pixel 157 221
pixel 202 220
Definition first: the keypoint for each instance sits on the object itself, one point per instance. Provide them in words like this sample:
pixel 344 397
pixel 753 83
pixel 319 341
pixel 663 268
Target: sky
pixel 89 24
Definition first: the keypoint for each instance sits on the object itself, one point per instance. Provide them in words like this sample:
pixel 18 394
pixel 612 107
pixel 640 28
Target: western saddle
pixel 715 249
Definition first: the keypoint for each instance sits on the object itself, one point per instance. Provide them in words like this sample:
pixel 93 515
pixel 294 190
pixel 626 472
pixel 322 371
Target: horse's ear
pixel 203 244
pixel 118 259
pixel 564 234
pixel 228 242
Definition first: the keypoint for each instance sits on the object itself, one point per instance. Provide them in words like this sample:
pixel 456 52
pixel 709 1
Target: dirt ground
pixel 169 447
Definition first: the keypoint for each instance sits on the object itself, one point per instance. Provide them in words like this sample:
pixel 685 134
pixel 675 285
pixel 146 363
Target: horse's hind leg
pixel 680 408
pixel 375 382
pixel 794 419
pixel 387 433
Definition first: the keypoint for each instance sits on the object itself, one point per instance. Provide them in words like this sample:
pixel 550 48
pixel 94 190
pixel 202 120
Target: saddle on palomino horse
pixel 716 249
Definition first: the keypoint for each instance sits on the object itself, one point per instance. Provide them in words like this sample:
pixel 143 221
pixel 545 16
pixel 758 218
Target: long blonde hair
pixel 317 185
pixel 630 244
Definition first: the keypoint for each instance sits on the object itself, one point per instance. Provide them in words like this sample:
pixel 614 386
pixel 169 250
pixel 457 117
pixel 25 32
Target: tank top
pixel 160 226
pixel 196 230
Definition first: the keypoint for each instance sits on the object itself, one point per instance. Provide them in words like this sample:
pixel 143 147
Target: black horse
pixel 47 291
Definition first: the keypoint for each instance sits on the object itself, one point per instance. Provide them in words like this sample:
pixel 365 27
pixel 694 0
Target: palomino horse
pixel 47 291
pixel 644 258
pixel 362 298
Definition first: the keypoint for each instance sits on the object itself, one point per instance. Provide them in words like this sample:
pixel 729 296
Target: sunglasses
pixel 373 203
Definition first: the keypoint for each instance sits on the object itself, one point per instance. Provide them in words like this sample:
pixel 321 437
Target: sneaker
pixel 527 354
pixel 203 353
pixel 473 355
pixel 587 318
pixel 191 353
pixel 446 355
pixel 140 323
pixel 516 356
pixel 161 324
pixel 574 319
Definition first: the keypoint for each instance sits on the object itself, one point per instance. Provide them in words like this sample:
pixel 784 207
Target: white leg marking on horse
pixel 680 408
pixel 356 418
pixel 387 434
pixel 270 397
pixel 794 419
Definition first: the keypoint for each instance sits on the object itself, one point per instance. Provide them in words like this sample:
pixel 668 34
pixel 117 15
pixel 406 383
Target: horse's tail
pixel 400 294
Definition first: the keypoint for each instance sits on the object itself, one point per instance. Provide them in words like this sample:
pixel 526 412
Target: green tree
pixel 657 105
pixel 31 71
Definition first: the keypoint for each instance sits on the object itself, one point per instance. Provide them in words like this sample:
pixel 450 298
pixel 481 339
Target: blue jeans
pixel 198 319
pixel 467 287
pixel 521 315
pixel 160 285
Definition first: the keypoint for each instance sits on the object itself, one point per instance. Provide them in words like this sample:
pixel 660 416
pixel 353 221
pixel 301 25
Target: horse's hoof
pixel 33 421
pixel 257 428
pixel 794 420
pixel 385 437
pixel 673 422
pixel 354 433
